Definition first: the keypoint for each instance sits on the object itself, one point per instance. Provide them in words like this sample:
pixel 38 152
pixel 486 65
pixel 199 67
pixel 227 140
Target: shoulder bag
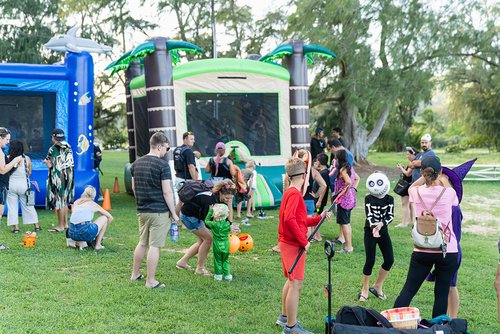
pixel 30 193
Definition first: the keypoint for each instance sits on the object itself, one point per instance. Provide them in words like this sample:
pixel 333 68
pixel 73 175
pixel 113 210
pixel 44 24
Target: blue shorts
pixel 83 232
pixel 192 223
pixel 310 207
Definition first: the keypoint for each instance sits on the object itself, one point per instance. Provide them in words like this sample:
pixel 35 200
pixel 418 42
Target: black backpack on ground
pixel 360 316
pixel 191 188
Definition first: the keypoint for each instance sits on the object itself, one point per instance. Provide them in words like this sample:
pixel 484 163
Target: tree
pixel 193 22
pixel 474 83
pixel 414 40
pixel 26 26
pixel 106 22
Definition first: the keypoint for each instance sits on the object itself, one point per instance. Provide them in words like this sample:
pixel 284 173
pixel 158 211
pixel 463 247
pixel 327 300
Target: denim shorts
pixel 310 207
pixel 83 232
pixel 192 223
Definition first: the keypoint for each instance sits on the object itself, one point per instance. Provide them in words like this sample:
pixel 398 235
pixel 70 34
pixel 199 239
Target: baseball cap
pixel 426 137
pixel 431 161
pixel 58 134
pixel 220 146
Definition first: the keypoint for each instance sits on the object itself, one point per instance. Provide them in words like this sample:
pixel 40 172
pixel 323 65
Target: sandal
pixel 138 278
pixel 159 285
pixel 203 272
pixel 345 250
pixel 362 298
pixel 55 230
pixel 184 267
pixel 15 231
pixel 381 296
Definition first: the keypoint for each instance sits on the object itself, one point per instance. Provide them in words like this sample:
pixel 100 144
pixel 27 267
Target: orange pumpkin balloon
pixel 246 242
pixel 234 243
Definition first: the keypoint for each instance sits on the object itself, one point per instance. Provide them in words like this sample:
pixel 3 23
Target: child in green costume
pixel 216 221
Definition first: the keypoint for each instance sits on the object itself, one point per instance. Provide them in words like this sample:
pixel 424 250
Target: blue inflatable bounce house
pixel 35 99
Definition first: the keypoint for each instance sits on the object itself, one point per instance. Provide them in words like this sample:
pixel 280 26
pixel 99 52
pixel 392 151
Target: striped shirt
pixel 148 172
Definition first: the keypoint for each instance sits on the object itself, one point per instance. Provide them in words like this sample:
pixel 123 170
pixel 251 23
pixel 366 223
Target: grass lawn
pixel 54 289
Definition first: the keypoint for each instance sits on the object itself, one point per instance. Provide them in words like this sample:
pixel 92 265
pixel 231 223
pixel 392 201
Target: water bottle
pixel 174 233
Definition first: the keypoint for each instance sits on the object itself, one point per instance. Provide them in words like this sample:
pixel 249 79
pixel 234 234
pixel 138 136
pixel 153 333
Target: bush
pixel 456 148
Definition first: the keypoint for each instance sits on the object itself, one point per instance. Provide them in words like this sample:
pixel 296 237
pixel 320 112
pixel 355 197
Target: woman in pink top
pixel 422 260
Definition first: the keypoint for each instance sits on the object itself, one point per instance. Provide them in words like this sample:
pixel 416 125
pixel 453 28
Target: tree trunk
pixel 357 138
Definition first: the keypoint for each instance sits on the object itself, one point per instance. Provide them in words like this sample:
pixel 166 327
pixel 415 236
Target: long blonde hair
pixel 88 195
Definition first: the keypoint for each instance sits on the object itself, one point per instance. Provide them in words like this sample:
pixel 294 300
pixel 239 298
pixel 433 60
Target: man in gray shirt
pixel 426 146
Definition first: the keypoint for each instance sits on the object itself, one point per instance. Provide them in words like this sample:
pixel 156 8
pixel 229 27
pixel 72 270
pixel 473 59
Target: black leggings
pixel 420 265
pixel 385 245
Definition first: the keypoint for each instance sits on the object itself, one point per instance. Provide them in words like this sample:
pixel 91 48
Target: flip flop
pixel 362 298
pixel 376 294
pixel 185 267
pixel 203 272
pixel 138 278
pixel 157 286
pixel 55 230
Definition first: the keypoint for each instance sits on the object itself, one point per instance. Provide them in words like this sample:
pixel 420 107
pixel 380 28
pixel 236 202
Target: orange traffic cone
pixel 106 203
pixel 116 187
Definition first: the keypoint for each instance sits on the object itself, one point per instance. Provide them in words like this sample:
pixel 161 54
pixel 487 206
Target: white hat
pixel 426 137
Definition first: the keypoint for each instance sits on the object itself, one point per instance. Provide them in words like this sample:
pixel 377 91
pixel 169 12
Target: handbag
pixel 30 193
pixel 427 232
pixel 401 188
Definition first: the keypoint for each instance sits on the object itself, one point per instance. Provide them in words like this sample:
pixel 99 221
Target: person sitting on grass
pixel 292 238
pixel 81 227
pixel 216 221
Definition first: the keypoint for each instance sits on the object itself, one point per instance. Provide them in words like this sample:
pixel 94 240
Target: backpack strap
pixel 380 318
pixel 435 202
pixel 359 316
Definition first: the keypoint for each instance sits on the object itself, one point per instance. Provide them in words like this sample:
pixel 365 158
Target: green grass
pixel 53 289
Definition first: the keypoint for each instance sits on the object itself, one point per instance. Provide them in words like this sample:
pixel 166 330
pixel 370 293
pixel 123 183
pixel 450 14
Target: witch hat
pixel 457 175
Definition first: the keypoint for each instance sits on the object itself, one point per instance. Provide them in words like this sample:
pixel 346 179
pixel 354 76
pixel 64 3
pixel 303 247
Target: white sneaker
pixel 245 222
pixel 218 277
pixel 297 329
pixel 228 278
pixel 402 225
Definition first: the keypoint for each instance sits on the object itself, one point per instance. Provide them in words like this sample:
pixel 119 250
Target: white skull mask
pixel 378 184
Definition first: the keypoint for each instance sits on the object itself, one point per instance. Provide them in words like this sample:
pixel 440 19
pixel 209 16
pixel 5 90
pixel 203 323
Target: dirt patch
pixel 364 170
pixel 479 217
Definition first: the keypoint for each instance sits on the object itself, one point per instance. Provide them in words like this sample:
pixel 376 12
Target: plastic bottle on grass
pixel 174 233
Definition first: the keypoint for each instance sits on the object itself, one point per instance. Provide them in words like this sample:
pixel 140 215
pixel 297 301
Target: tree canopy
pixel 392 55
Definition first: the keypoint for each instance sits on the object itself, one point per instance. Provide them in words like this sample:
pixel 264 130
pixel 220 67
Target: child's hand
pixel 376 229
pixel 326 214
pixel 307 246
